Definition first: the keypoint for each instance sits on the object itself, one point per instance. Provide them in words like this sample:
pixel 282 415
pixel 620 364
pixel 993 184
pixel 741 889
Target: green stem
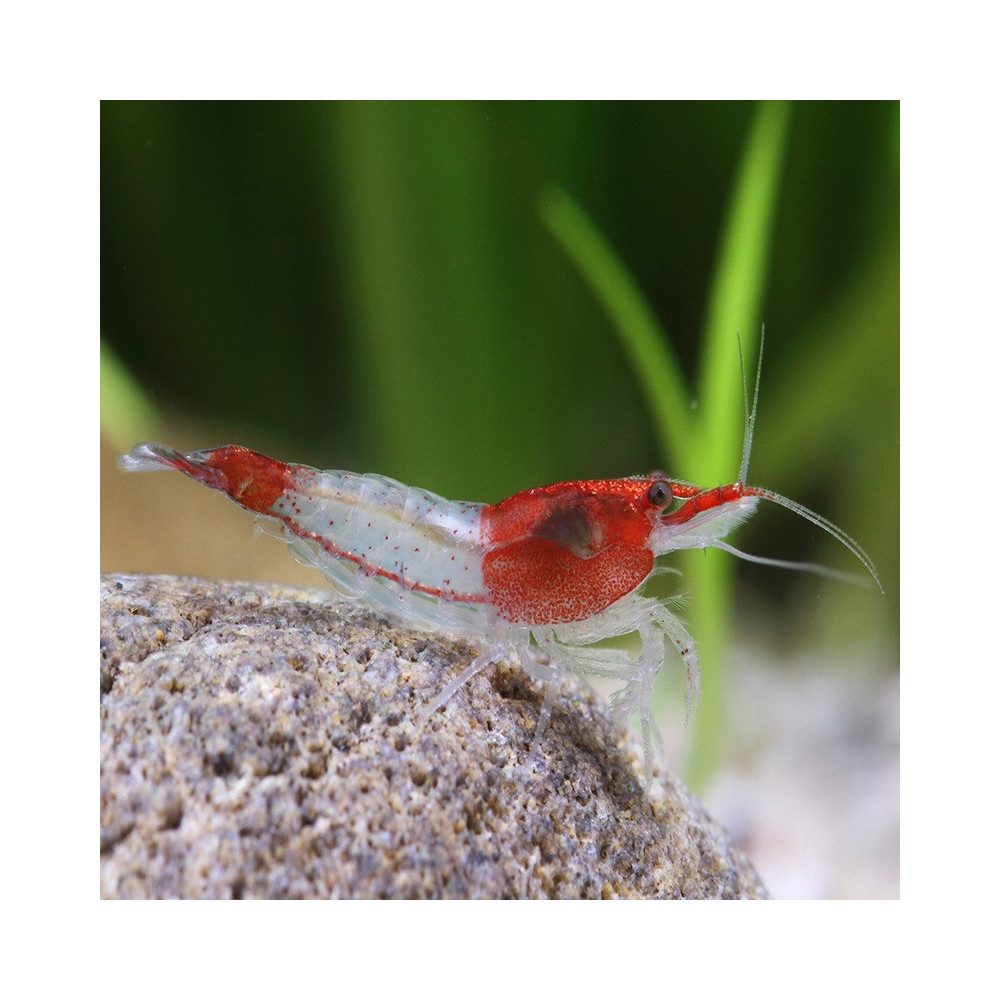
pixel 734 307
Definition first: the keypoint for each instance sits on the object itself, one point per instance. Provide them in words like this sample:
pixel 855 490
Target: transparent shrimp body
pixel 544 574
pixel 406 552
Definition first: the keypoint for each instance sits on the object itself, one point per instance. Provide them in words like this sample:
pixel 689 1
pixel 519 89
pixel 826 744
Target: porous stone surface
pixel 261 741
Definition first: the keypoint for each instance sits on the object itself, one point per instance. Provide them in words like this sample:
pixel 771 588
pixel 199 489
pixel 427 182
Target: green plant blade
pixel 733 311
pixel 127 415
pixel 643 339
pixel 701 448
pixel 734 304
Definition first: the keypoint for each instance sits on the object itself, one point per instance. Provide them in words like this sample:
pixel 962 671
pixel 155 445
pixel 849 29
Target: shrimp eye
pixel 660 494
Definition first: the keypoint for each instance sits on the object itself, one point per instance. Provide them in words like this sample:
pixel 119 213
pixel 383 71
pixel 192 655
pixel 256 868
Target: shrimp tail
pixel 254 481
pixel 149 457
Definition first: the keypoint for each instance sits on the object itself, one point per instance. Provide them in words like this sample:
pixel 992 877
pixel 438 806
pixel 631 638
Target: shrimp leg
pixel 493 655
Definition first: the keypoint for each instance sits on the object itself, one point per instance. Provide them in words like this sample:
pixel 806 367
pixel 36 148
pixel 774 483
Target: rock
pixel 259 741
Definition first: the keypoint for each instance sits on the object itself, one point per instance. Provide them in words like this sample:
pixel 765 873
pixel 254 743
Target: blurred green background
pixel 371 286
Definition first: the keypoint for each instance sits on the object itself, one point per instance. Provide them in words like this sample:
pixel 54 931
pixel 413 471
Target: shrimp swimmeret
pixel 545 574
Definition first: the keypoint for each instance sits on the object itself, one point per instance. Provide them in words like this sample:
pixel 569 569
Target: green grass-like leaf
pixel 127 415
pixel 705 446
pixel 642 337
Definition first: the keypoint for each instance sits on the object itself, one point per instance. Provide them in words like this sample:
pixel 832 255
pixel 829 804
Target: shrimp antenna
pixel 749 412
pixel 832 574
pixel 821 522
pixel 750 418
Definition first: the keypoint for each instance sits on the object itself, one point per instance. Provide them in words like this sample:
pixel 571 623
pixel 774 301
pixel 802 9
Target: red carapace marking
pixel 566 552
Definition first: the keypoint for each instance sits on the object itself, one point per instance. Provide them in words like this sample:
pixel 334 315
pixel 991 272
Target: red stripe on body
pixel 370 569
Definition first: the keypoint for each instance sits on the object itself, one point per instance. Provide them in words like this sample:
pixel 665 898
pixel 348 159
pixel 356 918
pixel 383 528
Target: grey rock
pixel 261 741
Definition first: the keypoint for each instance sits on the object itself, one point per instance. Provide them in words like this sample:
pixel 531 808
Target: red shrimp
pixel 544 574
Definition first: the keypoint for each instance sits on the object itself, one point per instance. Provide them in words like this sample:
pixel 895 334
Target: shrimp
pixel 543 575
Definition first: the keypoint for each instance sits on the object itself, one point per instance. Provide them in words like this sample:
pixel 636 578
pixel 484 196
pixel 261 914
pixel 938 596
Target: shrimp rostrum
pixel 544 574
